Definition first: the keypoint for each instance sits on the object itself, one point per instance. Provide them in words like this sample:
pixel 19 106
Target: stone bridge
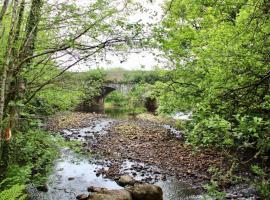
pixel 122 87
pixel 97 104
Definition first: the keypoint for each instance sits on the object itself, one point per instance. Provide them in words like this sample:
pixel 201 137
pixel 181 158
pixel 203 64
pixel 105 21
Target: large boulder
pixel 111 195
pixel 95 189
pixel 43 188
pixel 146 192
pixel 126 180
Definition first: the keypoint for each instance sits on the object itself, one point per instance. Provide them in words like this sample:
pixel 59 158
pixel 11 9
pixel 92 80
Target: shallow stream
pixel 74 173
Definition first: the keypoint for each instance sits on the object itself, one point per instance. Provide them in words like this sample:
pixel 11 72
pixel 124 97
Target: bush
pixel 213 191
pixel 263 181
pixel 212 131
pixel 16 174
pixel 16 192
pixel 117 98
pixel 31 155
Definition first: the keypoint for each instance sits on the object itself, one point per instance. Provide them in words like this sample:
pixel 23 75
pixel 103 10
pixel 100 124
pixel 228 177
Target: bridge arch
pixel 97 103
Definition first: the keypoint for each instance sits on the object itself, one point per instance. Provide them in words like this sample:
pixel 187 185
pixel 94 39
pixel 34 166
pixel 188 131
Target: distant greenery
pixel 66 93
pixel 121 75
pixel 117 98
pixel 149 77
pixel 134 101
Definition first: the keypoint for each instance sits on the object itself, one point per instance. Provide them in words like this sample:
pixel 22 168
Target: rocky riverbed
pixel 147 151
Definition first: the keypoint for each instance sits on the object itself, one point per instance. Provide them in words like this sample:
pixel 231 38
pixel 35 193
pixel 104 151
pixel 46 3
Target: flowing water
pixel 74 173
pixel 72 176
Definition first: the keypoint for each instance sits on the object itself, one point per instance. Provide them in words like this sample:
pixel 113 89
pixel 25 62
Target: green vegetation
pixel 31 157
pixel 40 43
pixel 220 56
pixel 15 192
pixel 142 83
pixel 116 98
pixel 218 53
pixel 30 143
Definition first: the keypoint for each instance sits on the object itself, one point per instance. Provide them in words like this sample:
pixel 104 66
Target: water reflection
pixel 72 175
pixel 116 112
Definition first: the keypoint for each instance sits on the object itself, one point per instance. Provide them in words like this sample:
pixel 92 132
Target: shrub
pixel 31 156
pixel 15 192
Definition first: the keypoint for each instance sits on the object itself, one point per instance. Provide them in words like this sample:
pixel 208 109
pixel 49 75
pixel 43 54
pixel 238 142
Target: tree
pixel 40 37
pixel 219 51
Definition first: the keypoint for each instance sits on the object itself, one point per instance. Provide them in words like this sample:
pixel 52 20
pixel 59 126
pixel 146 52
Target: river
pixel 74 173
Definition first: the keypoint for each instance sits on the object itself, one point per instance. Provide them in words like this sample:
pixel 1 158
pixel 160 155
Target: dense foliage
pixel 31 156
pixel 15 192
pixel 220 56
pixel 218 69
pixel 40 42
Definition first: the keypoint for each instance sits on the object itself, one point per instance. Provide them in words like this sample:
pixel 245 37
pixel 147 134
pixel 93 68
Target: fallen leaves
pixel 71 120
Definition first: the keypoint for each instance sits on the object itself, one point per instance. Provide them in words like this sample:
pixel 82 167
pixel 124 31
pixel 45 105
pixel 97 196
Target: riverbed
pixel 74 173
pixel 148 150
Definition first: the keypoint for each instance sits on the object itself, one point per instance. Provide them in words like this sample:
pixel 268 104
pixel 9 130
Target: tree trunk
pixel 3 11
pixel 10 76
pixel 13 80
pixel 31 29
pixel 7 63
pixel 8 60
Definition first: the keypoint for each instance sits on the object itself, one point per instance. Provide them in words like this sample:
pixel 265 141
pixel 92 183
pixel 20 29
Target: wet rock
pixel 98 173
pixel 82 197
pixel 95 189
pixel 146 192
pixel 125 180
pixel 241 191
pixel 43 188
pixel 111 195
pixel 163 177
